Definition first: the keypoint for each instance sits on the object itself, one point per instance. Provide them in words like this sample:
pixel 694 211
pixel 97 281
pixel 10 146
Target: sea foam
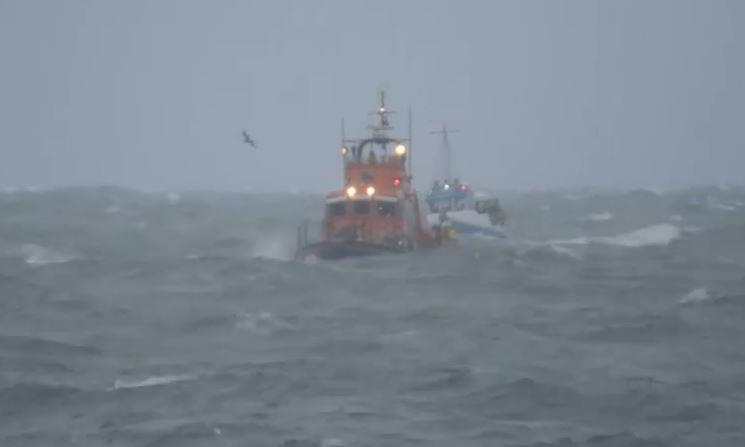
pixel 661 234
pixel 150 381
pixel 37 255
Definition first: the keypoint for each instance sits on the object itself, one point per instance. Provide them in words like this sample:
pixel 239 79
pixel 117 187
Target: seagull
pixel 247 139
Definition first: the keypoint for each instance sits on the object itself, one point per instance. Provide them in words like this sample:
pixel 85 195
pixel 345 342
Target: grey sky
pixel 154 94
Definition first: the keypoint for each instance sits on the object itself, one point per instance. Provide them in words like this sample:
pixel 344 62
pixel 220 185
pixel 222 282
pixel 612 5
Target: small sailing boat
pixel 455 204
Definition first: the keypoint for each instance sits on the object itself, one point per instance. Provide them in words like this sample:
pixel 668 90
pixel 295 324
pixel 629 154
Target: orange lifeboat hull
pixel 331 250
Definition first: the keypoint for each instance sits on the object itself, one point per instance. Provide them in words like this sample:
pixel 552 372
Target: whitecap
pixel 37 255
pixel 113 209
pixel 661 234
pixel 275 247
pixel 564 251
pixel 600 217
pixel 150 381
pixel 696 296
pixel 552 249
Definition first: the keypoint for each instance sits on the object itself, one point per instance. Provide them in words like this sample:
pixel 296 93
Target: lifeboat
pixel 376 210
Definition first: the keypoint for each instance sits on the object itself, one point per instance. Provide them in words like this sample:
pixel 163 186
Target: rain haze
pixel 191 254
pixel 546 94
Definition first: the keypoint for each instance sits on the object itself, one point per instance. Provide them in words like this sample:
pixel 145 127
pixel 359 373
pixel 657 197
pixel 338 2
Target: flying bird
pixel 247 139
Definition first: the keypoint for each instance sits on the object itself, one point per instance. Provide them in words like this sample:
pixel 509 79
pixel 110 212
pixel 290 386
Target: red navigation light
pixel 397 181
pixel 464 188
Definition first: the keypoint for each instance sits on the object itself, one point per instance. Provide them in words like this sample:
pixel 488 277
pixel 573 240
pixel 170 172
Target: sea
pixel 604 318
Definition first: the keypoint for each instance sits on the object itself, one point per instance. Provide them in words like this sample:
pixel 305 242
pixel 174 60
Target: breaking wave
pixel 173 320
pixel 37 255
pixel 150 381
pixel 551 251
pixel 696 296
pixel 661 234
pixel 276 246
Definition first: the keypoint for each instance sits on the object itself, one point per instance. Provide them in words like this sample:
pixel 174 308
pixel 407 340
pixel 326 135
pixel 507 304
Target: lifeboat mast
pixel 379 135
pixel 377 209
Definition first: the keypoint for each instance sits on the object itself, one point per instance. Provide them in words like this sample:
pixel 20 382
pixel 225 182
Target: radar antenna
pixel 379 130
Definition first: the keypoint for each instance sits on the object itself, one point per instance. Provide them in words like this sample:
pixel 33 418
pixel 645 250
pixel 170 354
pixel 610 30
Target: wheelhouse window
pixel 386 209
pixel 337 209
pixel 361 207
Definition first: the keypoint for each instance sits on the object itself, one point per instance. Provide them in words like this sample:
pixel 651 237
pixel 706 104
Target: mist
pixel 154 95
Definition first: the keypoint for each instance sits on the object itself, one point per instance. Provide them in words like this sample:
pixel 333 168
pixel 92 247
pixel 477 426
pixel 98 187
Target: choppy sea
pixel 604 319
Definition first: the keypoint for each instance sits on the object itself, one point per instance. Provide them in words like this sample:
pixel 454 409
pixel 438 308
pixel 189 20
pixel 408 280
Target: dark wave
pixel 132 318
pixel 624 439
pixel 26 344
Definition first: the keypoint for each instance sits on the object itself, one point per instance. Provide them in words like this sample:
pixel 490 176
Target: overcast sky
pixel 154 94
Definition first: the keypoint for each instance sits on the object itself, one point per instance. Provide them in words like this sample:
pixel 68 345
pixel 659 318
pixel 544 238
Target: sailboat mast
pixel 445 132
pixel 411 166
pixel 343 145
pixel 448 156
